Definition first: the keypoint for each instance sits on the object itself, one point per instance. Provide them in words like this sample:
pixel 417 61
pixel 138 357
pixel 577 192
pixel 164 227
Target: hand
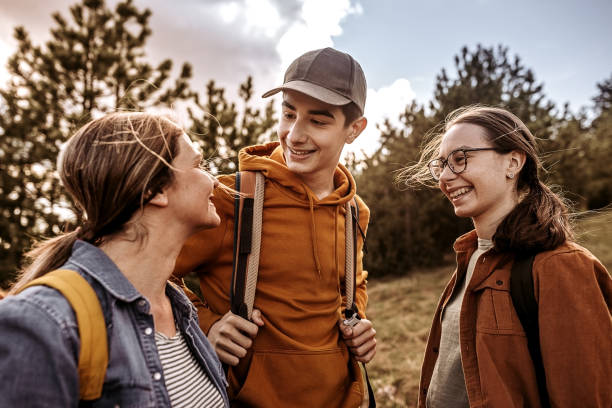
pixel 232 336
pixel 360 339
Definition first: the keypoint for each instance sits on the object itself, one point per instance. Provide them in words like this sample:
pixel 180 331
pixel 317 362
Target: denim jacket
pixel 39 342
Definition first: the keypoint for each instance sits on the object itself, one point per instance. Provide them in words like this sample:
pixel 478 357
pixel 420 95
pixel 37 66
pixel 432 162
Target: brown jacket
pixel 574 294
pixel 298 358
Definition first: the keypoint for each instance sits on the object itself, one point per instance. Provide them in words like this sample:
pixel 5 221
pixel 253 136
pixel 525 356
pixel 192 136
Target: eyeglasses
pixel 456 160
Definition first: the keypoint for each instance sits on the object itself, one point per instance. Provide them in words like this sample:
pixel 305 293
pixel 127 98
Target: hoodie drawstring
pixel 313 235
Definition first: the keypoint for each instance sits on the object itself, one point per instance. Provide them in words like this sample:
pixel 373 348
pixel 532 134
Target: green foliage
pixel 414 228
pixel 407 228
pixel 222 132
pixel 94 63
pixel 417 228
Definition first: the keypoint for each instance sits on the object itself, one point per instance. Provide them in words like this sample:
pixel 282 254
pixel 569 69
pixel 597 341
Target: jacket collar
pixel 465 246
pixel 93 261
pixel 100 267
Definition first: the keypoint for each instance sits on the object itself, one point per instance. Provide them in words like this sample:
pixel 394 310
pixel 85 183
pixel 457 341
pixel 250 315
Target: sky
pixel 401 44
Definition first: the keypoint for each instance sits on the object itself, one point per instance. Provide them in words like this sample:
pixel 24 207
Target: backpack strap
pixel 351 313
pixel 526 306
pixel 350 269
pixel 248 210
pixel 93 353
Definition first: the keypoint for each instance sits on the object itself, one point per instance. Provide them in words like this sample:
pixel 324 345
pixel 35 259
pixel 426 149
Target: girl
pixel 486 164
pixel 136 178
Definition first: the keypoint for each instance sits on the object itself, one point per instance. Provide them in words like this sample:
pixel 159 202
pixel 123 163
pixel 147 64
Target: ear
pixel 516 163
pixel 355 129
pixel 160 199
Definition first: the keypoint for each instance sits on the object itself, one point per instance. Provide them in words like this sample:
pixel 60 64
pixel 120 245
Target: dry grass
pixel 402 309
pixel 595 233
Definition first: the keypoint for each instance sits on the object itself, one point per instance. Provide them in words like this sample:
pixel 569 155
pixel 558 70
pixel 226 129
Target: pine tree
pixel 599 149
pixel 415 228
pixel 222 131
pixel 93 63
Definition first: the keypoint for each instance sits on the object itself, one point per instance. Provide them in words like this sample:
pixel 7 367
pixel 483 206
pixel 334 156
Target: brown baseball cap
pixel 328 75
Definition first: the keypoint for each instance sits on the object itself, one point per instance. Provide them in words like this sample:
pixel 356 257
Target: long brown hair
pixel 111 168
pixel 540 221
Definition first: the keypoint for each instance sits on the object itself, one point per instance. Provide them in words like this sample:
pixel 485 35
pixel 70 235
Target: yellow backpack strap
pixel 93 355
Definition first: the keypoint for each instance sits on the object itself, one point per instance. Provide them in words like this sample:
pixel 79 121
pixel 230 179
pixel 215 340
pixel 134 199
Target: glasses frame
pixel 445 162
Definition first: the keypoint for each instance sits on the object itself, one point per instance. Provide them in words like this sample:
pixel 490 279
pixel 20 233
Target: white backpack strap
pixel 253 265
pixel 349 263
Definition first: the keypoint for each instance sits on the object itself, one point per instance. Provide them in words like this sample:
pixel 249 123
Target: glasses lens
pixel 457 161
pixel 435 168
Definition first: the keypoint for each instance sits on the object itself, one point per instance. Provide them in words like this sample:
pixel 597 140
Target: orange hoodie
pixel 298 358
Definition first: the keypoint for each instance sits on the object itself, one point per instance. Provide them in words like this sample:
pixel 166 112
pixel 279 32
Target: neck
pixel 149 264
pixel 320 190
pixel 486 224
pixel 320 184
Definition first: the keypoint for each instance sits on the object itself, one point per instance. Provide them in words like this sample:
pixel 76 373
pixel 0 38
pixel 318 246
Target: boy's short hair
pixel 351 112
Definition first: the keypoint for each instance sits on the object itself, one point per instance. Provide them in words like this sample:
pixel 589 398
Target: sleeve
pixel 201 250
pixel 361 295
pixel 574 292
pixel 38 356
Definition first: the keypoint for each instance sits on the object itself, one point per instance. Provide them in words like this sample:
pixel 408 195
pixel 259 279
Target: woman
pixel 486 164
pixel 137 179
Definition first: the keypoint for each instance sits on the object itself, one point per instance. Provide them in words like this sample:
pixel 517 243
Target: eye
pixel 288 115
pixel 457 157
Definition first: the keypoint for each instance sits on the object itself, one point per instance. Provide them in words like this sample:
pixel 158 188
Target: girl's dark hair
pixel 540 221
pixel 111 168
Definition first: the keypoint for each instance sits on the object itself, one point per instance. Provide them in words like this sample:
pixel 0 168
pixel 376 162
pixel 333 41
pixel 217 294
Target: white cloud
pixel 262 16
pixel 255 17
pixel 385 103
pixel 319 21
pixel 229 12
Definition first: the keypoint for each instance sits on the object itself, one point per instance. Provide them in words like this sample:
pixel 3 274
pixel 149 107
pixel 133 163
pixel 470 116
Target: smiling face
pixel 483 191
pixel 192 188
pixel 312 135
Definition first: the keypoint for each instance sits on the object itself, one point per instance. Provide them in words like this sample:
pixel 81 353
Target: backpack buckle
pixel 351 318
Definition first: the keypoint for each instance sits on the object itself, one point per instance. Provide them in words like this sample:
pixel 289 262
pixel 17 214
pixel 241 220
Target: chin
pixel 462 212
pixel 213 222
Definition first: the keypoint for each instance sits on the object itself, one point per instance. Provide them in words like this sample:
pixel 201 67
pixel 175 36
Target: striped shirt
pixel 187 382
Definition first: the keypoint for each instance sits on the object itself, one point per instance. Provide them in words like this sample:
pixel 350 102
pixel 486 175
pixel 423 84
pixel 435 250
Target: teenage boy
pixel 296 351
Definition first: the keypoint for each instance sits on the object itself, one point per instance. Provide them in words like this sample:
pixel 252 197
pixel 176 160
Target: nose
pixel 214 180
pixel 296 133
pixel 446 174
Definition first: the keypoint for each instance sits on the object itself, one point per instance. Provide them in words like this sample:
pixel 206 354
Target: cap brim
pixel 313 90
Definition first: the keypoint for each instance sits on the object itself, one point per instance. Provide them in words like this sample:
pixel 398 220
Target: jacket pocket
pixel 296 378
pixel 496 314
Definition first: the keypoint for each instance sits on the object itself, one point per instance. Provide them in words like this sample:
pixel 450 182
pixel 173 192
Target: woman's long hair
pixel 111 168
pixel 540 221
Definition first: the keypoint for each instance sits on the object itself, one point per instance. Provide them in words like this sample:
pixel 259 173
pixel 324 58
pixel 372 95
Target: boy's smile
pixel 312 134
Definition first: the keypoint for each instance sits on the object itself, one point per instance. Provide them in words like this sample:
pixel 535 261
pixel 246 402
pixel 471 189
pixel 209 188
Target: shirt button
pixel 499 282
pixel 148 331
pixel 157 376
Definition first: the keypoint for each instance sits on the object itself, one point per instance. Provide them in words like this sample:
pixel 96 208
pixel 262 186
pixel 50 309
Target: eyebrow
pixel 322 112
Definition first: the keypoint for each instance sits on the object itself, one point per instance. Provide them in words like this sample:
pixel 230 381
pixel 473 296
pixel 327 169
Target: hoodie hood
pixel 268 159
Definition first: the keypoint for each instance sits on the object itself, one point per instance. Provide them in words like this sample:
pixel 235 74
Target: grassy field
pixel 402 309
